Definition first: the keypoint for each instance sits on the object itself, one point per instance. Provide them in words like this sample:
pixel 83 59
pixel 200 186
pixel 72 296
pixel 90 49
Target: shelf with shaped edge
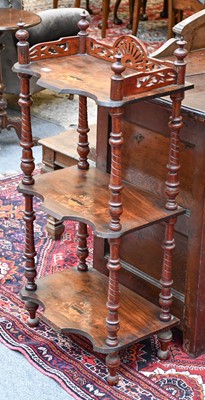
pixel 98 307
pixel 86 199
pixel 83 312
pixel 66 71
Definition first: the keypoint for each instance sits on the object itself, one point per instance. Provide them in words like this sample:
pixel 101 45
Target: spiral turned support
pixel 27 166
pixel 172 190
pixel 83 151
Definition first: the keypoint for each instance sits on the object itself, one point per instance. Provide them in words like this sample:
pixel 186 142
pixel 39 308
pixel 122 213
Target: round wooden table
pixel 9 19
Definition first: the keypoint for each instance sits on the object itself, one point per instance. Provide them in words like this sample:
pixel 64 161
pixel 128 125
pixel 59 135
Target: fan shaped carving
pixel 133 52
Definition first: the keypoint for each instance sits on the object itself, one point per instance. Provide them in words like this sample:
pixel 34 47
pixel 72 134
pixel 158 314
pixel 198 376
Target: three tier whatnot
pixel 82 300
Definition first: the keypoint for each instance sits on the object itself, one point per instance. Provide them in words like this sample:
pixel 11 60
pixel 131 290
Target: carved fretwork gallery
pixel 82 300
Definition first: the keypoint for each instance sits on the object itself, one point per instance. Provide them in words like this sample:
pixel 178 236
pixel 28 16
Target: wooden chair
pixel 134 14
pixel 134 5
pixel 176 9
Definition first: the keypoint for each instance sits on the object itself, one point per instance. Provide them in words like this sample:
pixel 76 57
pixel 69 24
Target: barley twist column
pixel 83 129
pixel 83 151
pixel 83 147
pixel 27 166
pixel 115 208
pixel 172 190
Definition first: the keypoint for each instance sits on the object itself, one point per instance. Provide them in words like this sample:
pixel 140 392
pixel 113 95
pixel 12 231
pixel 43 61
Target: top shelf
pixel 88 76
pixel 112 75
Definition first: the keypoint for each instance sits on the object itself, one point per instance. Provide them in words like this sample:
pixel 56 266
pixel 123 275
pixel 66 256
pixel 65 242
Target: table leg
pixel 55 3
pixel 5 121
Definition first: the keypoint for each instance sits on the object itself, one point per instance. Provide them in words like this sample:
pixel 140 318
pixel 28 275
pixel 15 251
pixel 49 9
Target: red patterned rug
pixel 70 360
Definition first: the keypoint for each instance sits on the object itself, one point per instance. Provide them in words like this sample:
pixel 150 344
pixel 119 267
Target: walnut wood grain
pixel 84 195
pixel 112 76
pixel 71 305
pixel 61 150
pixel 66 75
pixel 141 270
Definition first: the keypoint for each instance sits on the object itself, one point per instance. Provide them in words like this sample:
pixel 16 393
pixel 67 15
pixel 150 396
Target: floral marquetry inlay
pixel 78 310
pixel 79 203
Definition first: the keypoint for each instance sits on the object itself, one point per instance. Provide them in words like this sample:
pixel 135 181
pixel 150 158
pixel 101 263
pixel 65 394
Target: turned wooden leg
pixel 172 190
pixel 31 307
pixel 135 17
pixel 82 249
pixel 143 16
pixel 88 7
pixel 83 129
pixel 165 296
pixel 105 14
pixel 113 363
pixel 77 3
pixel 30 253
pixel 27 166
pixel 164 13
pixel 55 3
pixel 112 319
pixel 115 205
pixel 83 151
pixel 116 20
pixel 55 228
pixel 164 338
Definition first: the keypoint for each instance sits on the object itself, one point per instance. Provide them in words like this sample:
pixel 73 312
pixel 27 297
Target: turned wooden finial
pixel 83 25
pixel 180 65
pixel 116 92
pixel 117 66
pixel 22 45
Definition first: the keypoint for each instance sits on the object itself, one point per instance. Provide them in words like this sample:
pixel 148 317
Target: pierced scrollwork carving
pixel 100 50
pixel 134 54
pixel 149 81
pixel 59 48
pixel 151 73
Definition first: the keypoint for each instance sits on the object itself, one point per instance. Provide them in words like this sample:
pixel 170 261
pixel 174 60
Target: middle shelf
pixel 83 195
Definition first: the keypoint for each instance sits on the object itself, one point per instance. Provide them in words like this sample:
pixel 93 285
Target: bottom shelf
pixel 75 301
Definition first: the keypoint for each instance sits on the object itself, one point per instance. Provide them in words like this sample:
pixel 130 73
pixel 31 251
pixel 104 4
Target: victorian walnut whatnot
pixel 79 300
